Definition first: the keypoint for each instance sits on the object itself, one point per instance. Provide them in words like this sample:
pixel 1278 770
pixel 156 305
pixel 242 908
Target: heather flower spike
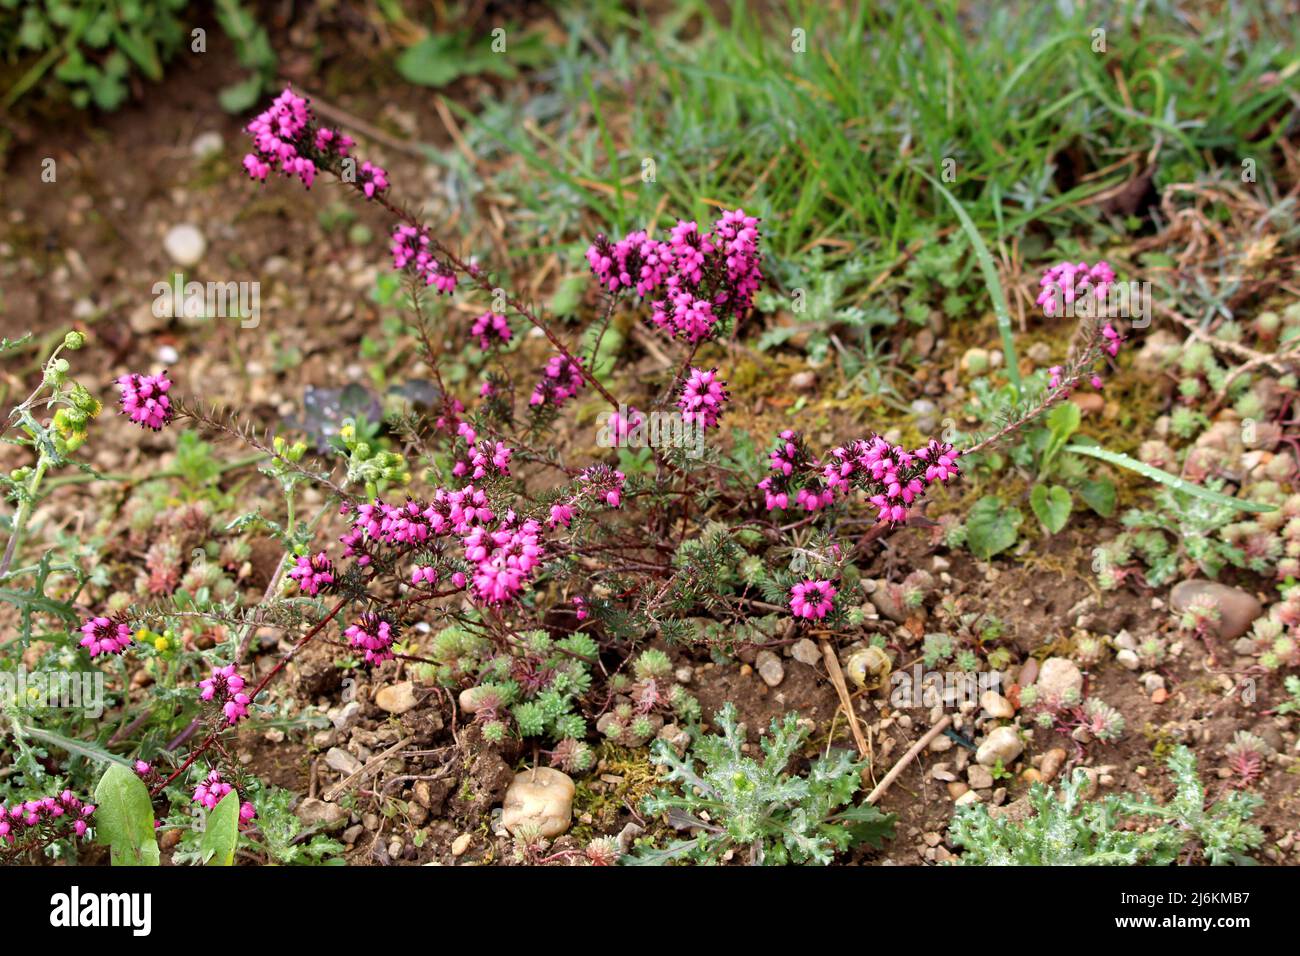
pixel 703 397
pixel 700 279
pixel 313 574
pixel 226 687
pixel 144 400
pixel 892 478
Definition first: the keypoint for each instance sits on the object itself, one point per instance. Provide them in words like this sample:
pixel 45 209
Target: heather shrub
pixel 542 571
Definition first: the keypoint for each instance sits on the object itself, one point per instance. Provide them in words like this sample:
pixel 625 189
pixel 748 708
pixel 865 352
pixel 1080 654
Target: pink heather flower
pixel 561 514
pixel 634 262
pixel 620 425
pixel 50 818
pixel 441 277
pixel 811 499
pixel 561 380
pixel 373 179
pixel 773 499
pixel 287 139
pixel 490 460
pixel 105 635
pixel 702 398
pixel 247 813
pixel 313 574
pixel 458 579
pixel 486 326
pixel 892 477
pixel 1055 381
pixel 580 608
pixel 505 559
pixel 144 399
pixel 209 793
pixel 1113 340
pixel 412 252
pixel 332 141
pixel 410 248
pixel 700 278
pixel 683 314
pixel 424 575
pixel 226 687
pixel 941 461
pixel 1067 282
pixel 280 135
pixel 1096 382
pixel 604 484
pixel 373 634
pixel 143 768
pixel 812 599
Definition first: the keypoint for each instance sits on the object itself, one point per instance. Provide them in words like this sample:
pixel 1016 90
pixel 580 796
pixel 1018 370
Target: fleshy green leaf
pixel 221 832
pixel 124 818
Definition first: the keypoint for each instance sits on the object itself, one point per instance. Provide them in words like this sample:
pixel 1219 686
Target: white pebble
pixel 184 244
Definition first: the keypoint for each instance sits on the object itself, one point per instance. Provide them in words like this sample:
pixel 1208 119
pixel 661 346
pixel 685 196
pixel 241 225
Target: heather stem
pixel 482 282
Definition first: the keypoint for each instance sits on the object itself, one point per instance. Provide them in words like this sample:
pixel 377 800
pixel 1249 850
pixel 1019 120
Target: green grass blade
pixel 991 280
pixel 80 748
pixel 1173 481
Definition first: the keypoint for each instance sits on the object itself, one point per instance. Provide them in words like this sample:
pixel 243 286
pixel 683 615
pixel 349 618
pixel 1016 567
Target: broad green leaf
pixel 221 832
pixel 1173 481
pixel 140 48
pixel 1051 506
pixel 867 825
pixel 124 818
pixel 992 527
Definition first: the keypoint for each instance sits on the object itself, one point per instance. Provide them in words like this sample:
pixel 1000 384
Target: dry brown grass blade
pixel 908 757
pixel 837 679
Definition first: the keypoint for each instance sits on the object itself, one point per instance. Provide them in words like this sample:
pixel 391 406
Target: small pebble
pixel 184 244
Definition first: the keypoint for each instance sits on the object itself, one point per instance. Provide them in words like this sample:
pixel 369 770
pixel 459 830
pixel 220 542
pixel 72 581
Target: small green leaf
pixel 992 527
pixel 124 818
pixel 867 825
pixel 238 97
pixel 1062 422
pixel 1173 481
pixel 140 48
pixel 1099 495
pixel 1064 419
pixel 568 296
pixel 1051 506
pixel 221 832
